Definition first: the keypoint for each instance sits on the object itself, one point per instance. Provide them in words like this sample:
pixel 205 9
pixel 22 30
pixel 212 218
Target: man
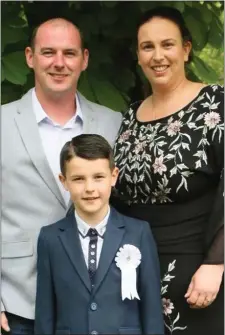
pixel 34 129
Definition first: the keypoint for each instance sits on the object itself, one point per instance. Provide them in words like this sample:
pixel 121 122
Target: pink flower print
pixel 158 166
pixel 139 147
pixel 174 127
pixel 124 136
pixel 167 306
pixel 212 119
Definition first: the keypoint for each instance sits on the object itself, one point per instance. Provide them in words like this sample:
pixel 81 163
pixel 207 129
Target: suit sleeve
pixel 45 298
pixel 150 286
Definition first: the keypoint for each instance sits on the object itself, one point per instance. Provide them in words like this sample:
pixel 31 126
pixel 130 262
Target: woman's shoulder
pixel 132 109
pixel 216 90
pixel 214 98
pixel 135 104
pixel 212 101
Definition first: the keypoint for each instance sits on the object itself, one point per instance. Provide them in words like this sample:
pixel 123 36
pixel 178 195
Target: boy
pixel 98 270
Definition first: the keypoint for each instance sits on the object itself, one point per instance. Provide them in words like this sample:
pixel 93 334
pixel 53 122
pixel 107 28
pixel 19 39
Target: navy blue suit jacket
pixel 65 302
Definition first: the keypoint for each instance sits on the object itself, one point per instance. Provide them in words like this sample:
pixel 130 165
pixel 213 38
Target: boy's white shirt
pixel 83 228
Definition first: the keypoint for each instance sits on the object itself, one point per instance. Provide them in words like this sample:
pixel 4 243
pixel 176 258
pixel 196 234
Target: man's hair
pixel 35 30
pixel 87 146
pixel 171 14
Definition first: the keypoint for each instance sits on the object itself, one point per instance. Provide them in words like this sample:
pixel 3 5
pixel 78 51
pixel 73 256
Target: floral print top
pixel 175 158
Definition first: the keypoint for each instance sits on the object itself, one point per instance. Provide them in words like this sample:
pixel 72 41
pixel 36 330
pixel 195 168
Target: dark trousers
pixel 19 325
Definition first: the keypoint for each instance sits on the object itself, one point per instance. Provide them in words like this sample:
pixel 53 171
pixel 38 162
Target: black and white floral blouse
pixel 173 164
pixel 174 158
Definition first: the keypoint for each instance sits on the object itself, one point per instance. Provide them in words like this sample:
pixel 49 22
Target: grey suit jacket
pixel 30 195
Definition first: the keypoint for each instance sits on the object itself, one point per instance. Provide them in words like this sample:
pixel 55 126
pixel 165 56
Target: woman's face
pixel 161 52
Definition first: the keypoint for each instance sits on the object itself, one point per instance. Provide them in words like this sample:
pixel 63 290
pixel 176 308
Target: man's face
pixel 89 183
pixel 57 58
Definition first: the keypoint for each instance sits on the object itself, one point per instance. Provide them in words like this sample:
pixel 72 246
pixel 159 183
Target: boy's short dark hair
pixel 87 146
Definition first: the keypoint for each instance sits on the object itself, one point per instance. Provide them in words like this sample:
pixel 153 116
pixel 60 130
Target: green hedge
pixel 113 77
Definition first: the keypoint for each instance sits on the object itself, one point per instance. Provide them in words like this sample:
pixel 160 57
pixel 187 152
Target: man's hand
pixel 4 322
pixel 204 286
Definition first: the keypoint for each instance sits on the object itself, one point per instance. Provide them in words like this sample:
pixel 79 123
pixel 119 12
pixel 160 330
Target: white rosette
pixel 127 259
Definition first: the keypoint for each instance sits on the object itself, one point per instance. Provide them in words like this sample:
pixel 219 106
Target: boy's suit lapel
pixel 27 127
pixel 112 240
pixel 69 236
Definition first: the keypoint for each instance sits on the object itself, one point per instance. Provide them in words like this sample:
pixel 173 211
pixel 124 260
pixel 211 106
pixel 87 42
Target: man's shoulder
pixel 8 112
pixel 100 109
pixel 10 105
pixel 13 105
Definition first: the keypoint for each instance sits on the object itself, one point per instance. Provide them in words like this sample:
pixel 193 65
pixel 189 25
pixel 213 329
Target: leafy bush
pixel 113 77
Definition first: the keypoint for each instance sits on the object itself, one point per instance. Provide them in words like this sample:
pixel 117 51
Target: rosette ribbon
pixel 128 259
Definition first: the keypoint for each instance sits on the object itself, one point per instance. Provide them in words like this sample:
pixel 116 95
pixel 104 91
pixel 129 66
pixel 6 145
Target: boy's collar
pixel 83 227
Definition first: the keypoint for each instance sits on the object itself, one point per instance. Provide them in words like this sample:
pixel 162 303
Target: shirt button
pixel 94 332
pixel 94 306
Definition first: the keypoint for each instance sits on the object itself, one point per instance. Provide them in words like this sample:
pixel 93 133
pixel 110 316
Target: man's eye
pixel 47 53
pixel 71 54
pixel 77 179
pixel 99 177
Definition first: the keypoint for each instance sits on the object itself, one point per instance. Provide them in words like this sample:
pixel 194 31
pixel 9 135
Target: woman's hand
pixel 204 286
pixel 4 322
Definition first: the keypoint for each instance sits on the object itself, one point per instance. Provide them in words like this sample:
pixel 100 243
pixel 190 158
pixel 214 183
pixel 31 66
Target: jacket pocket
pixel 130 331
pixel 17 249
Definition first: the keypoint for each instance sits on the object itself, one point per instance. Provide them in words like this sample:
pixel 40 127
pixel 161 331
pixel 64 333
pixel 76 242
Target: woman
pixel 170 154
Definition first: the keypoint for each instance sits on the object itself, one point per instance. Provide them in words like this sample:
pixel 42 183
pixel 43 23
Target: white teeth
pixel 159 68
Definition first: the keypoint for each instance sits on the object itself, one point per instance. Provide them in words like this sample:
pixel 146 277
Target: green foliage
pixel 14 68
pixel 113 77
pixel 214 58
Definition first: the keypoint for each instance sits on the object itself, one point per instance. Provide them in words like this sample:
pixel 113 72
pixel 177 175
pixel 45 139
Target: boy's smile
pixel 89 183
pixel 91 198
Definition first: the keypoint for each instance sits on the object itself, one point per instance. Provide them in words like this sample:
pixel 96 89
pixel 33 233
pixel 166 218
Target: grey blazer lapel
pixel 90 122
pixel 112 240
pixel 27 127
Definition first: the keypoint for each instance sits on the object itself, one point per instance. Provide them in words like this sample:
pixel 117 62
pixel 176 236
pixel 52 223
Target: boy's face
pixel 89 183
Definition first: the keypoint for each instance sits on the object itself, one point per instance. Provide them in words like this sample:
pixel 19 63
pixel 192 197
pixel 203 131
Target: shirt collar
pixel 41 115
pixel 83 227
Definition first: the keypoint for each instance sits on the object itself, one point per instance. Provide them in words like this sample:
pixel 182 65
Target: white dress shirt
pixel 83 228
pixel 54 136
